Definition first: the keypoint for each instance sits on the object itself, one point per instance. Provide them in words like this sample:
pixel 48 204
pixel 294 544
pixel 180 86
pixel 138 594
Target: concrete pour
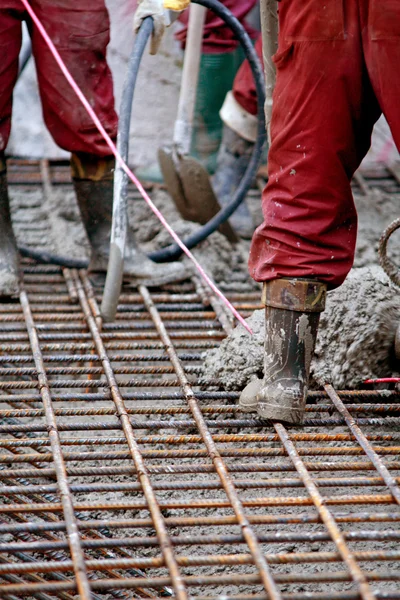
pixel 355 338
pixel 159 80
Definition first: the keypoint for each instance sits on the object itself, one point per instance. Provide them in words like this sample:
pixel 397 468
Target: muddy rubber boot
pixel 292 311
pixel 233 159
pixel 95 200
pixel 9 258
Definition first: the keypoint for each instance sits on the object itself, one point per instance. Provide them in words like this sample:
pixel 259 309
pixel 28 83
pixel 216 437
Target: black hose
pixel 48 258
pixel 174 251
pixel 124 120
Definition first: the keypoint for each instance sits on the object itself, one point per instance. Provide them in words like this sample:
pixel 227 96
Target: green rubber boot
pixel 217 72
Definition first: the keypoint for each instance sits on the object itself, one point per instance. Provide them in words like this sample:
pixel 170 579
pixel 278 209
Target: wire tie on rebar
pixel 121 413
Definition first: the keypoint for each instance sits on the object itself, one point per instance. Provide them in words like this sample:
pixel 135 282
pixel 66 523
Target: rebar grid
pixel 122 478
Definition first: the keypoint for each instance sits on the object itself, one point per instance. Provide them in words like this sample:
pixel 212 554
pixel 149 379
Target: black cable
pixel 174 251
pixel 52 259
pixel 124 120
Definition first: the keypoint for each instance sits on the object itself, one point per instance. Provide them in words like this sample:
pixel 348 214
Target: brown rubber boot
pixel 9 259
pixel 292 310
pixel 93 182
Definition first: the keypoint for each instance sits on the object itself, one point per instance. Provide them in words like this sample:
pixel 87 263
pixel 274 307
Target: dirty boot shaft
pixel 9 261
pixel 233 159
pixel 292 310
pixel 94 187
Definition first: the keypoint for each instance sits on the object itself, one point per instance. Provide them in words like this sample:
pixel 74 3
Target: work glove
pixel 159 10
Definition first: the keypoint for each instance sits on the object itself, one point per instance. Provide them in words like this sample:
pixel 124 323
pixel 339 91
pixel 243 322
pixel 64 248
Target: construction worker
pixel 221 57
pixel 80 31
pixel 239 117
pixel 336 72
pixel 220 60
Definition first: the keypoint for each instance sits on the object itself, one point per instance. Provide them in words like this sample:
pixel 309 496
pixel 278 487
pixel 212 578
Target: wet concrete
pixel 355 338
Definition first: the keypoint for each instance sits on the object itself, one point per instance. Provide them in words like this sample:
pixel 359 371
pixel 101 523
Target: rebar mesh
pixel 122 478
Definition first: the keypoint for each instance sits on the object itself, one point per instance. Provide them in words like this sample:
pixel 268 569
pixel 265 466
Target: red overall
pixel 337 69
pixel 80 31
pixel 244 89
pixel 217 37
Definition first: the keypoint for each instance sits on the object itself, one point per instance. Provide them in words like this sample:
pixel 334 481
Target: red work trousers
pixel 244 89
pixel 337 70
pixel 217 37
pixel 80 32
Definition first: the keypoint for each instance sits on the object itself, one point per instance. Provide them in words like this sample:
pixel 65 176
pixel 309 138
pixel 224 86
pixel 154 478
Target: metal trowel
pixel 186 179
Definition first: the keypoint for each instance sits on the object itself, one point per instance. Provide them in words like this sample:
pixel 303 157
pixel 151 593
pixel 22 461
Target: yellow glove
pixel 176 4
pixel 158 9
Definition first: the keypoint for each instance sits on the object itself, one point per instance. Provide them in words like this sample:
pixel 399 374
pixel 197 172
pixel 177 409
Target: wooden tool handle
pixel 190 76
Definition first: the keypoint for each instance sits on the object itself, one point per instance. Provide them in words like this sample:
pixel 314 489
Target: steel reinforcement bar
pixel 121 477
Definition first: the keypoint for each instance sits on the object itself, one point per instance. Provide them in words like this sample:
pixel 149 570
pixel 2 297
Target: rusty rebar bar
pixel 364 443
pixel 82 581
pixel 143 476
pixel 220 467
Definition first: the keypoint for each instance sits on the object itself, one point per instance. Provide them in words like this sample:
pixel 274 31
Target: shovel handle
pixel 190 76
pixel 269 27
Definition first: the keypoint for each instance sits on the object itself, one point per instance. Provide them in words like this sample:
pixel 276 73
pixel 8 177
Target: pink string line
pixel 384 380
pixel 384 154
pixel 124 166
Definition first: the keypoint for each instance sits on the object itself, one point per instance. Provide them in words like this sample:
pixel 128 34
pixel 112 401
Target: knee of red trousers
pixel 217 36
pixel 73 129
pixel 82 35
pixel 281 248
pixel 77 140
pixel 310 220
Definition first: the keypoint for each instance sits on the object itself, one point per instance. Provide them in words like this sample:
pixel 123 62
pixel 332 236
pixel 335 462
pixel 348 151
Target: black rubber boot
pixel 9 258
pixel 292 311
pixel 232 161
pixel 95 200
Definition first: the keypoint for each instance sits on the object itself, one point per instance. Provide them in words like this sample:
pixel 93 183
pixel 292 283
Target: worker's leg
pixel 292 311
pixel 381 38
pixel 80 31
pixel 9 261
pixel 239 118
pixel 323 113
pixel 221 58
pixel 239 111
pixel 10 44
pixel 93 182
